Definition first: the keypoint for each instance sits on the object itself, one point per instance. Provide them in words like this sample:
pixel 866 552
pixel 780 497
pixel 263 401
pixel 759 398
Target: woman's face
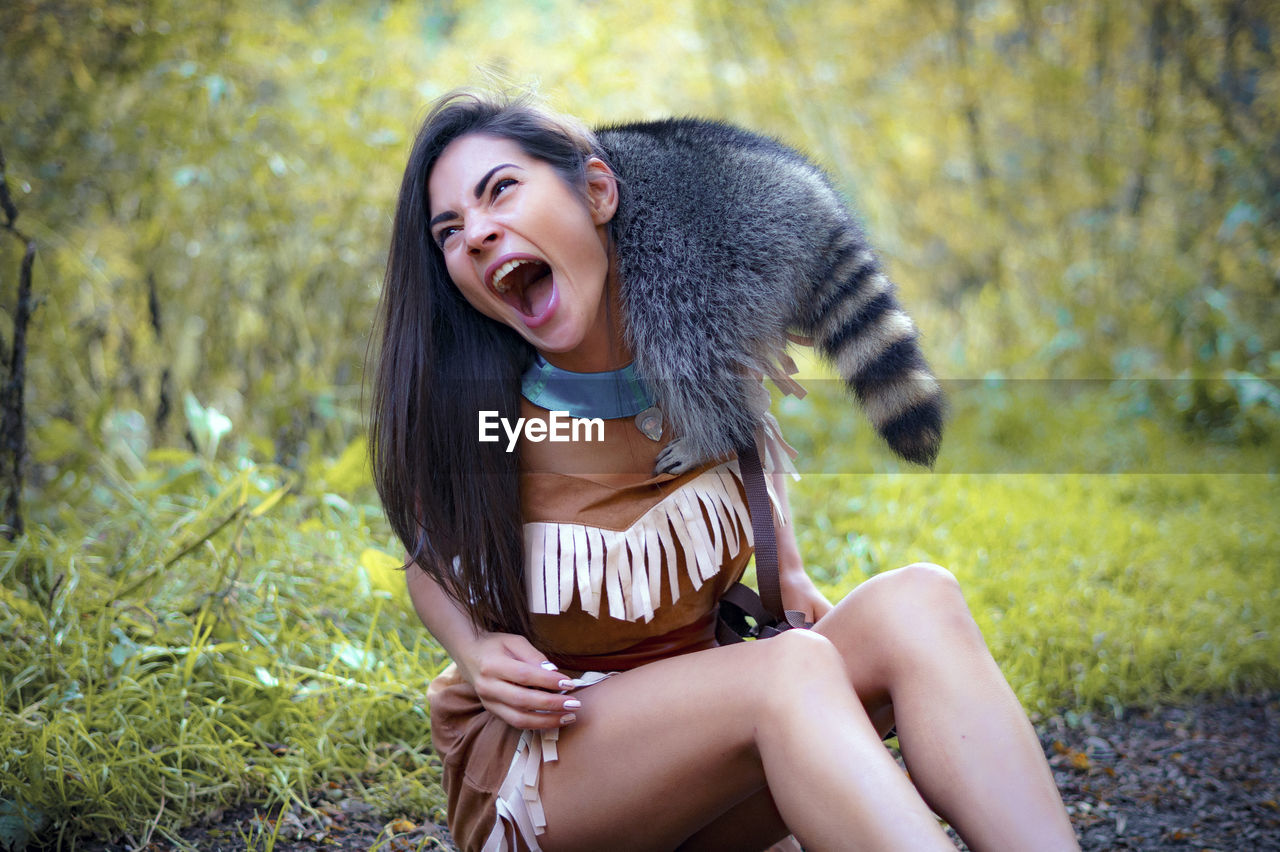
pixel 525 248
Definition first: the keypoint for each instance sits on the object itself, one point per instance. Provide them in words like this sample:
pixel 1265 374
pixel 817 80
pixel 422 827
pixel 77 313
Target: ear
pixel 602 191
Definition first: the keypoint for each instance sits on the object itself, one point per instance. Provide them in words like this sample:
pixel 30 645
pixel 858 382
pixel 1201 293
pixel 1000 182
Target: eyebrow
pixel 484 181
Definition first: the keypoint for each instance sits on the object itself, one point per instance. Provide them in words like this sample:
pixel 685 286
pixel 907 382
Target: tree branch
pixel 1233 122
pixel 13 427
pixel 6 200
pixel 962 38
pixel 1157 34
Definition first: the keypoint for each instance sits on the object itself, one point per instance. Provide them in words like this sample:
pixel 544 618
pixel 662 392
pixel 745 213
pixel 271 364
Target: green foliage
pixel 183 634
pixel 1094 590
pixel 1063 191
pixel 193 636
pixel 215 204
pixel 1072 191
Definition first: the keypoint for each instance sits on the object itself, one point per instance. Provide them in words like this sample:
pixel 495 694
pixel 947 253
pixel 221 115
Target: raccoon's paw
pixel 676 458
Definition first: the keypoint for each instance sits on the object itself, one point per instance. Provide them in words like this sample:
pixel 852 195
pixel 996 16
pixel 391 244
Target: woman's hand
pixel 800 593
pixel 516 683
pixel 513 679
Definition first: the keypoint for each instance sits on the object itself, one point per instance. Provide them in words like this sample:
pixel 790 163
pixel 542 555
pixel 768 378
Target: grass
pixel 1153 577
pixel 193 638
pixel 1092 591
pixel 185 635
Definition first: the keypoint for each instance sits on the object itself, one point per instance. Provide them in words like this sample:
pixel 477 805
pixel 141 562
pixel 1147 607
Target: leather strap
pixel 740 601
pixel 737 604
pixel 766 544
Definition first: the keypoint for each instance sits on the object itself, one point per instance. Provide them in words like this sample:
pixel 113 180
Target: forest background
pixel 1079 202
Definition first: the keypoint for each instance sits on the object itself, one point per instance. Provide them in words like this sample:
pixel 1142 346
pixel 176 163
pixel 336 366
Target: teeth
pixel 502 273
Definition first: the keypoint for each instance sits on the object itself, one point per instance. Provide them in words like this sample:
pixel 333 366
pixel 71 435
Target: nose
pixel 479 231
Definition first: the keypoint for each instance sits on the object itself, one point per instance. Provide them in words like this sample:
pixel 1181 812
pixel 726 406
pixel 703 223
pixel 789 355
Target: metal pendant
pixel 649 422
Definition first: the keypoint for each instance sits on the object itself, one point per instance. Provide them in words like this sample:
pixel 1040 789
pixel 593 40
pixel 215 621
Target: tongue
pixel 537 295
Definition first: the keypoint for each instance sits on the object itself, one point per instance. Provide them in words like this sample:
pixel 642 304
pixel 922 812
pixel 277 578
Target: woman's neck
pixel 604 347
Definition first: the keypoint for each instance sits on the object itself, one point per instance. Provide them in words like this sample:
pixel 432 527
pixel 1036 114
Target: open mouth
pixel 525 284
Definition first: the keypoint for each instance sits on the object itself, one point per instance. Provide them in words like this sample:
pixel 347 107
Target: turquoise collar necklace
pixel 610 395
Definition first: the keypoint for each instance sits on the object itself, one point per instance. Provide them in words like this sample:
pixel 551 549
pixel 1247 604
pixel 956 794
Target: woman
pixel 544 570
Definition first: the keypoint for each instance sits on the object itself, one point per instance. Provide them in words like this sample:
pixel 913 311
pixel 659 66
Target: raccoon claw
pixel 675 459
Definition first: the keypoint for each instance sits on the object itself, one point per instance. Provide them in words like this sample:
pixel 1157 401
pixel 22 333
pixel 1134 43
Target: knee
pixel 922 583
pixel 919 607
pixel 800 681
pixel 801 662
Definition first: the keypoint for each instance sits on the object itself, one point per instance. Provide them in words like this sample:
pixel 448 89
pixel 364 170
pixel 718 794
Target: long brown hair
pixel 455 502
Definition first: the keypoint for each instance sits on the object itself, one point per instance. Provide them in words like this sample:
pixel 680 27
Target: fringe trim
pixel 624 567
pixel 520 816
pixel 519 804
pixel 778 454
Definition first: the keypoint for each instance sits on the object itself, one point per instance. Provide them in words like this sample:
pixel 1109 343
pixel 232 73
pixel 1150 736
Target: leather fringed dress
pixel 623 569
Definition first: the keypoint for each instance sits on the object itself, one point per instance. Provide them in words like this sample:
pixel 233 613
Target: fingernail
pixel 548 665
pixel 566 684
pixel 572 704
pixel 567 718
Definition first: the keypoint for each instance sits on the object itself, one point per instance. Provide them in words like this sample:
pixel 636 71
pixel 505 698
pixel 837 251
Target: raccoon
pixel 726 241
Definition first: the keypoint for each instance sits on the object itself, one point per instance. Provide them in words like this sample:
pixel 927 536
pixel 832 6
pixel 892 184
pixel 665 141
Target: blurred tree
pixel 1063 190
pixel 214 193
pixel 13 428
pixel 1089 189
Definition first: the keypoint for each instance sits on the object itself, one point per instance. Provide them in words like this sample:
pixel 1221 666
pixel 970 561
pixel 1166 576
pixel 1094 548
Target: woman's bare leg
pixel 659 752
pixel 913 655
pixel 911 646
pixel 752 825
pixel 912 650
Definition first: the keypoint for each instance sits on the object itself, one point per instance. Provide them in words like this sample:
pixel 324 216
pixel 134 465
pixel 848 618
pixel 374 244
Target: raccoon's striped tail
pixel 859 324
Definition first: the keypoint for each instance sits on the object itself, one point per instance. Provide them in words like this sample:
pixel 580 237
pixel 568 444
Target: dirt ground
pixel 1205 776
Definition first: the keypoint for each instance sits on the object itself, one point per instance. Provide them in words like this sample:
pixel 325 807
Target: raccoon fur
pixel 726 241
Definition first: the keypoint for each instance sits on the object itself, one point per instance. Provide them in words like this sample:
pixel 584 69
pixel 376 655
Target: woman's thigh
pixel 867 627
pixel 881 628
pixel 668 751
pixel 659 752
pixel 752 825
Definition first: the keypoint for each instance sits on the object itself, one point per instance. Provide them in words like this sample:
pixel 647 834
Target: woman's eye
pixel 502 185
pixel 445 233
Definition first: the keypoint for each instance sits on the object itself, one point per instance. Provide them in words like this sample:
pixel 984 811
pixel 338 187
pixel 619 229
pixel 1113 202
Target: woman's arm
pixel 513 679
pixel 798 590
